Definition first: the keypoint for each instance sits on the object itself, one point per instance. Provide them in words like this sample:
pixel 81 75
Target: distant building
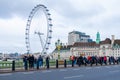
pixel 64 52
pixel 98 38
pixel 107 47
pixel 76 36
pixel 110 47
pixel 13 55
pixel 1 56
pixel 85 49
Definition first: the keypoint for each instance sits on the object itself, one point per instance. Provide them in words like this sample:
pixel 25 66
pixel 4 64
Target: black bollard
pixel 48 64
pixel 37 64
pixel 72 63
pixel 13 65
pixel 56 63
pixel 65 63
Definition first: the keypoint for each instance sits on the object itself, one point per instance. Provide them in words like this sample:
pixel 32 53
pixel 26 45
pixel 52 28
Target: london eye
pixel 43 33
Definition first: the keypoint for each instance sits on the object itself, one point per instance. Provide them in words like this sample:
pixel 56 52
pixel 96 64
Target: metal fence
pixel 10 66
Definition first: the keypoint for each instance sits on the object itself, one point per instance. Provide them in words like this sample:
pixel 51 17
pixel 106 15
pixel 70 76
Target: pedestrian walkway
pixel 9 70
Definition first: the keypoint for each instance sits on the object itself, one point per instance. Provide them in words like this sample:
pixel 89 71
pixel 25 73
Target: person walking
pixel 25 62
pixel 105 60
pixel 40 60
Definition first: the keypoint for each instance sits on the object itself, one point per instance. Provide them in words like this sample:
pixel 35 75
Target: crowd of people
pixel 82 60
pixel 32 61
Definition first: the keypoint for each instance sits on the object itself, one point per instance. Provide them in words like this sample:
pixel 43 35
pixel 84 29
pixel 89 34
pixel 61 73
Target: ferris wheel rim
pixel 49 27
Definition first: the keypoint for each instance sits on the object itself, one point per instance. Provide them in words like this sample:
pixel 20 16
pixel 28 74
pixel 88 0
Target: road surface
pixel 111 72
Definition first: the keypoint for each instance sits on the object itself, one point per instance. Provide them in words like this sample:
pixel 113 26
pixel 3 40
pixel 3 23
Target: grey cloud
pixel 112 23
pixel 114 19
pixel 12 43
pixel 66 9
pixel 70 18
pixel 14 7
pixel 75 14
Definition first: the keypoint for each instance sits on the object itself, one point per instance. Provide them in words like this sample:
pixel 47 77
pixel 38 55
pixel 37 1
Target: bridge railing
pixel 19 65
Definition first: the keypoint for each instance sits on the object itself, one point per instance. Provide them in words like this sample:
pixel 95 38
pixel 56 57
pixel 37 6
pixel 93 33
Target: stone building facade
pixel 107 47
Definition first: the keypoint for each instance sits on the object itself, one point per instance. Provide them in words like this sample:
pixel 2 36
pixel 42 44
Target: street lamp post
pixel 58 46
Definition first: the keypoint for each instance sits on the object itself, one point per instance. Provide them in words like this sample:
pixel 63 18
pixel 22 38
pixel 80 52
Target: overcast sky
pixel 87 16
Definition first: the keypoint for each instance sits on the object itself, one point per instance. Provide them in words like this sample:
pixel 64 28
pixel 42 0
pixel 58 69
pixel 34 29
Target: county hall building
pixel 80 44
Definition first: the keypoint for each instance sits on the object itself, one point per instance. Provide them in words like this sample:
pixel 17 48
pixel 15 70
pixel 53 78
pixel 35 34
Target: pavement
pixel 106 72
pixel 9 70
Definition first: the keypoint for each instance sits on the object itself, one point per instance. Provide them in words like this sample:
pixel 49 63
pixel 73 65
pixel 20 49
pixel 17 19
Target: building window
pixel 86 53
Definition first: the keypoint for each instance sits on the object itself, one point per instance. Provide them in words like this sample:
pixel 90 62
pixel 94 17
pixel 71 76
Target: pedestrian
pixel 31 61
pixel 85 61
pixel 40 60
pixel 110 60
pixel 25 62
pixel 105 60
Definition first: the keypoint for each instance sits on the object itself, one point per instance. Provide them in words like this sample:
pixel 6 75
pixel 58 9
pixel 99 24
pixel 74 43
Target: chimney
pixel 112 41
